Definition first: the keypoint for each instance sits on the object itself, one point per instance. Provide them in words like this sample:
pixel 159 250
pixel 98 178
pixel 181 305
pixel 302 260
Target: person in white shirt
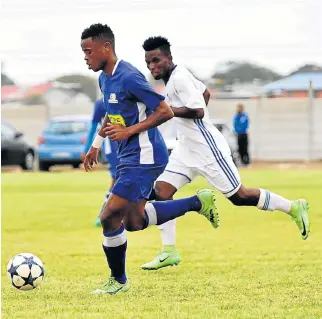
pixel 201 151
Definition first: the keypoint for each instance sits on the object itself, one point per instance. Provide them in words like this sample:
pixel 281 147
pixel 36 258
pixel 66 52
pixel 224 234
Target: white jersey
pixel 199 142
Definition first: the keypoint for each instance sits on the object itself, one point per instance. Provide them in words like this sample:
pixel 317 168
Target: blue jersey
pixel 130 99
pixel 241 123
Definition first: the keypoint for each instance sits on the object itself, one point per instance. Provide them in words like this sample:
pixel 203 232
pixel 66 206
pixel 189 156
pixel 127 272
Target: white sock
pixel 116 240
pixel 168 232
pixel 270 201
pixel 151 214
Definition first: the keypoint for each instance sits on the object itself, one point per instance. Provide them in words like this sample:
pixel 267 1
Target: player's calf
pixel 245 197
pixel 265 200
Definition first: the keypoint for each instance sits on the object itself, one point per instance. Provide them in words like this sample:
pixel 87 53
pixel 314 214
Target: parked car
pixel 14 148
pixel 62 141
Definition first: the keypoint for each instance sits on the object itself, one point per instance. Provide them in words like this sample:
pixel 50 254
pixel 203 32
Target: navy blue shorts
pixel 135 182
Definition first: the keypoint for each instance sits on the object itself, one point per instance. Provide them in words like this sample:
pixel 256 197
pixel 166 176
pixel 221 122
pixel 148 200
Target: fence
pixel 281 129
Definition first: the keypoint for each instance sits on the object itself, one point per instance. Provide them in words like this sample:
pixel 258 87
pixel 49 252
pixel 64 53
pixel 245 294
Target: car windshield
pixel 66 127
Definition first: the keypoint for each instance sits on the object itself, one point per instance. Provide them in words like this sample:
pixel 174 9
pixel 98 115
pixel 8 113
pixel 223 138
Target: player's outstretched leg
pixel 203 202
pixel 169 255
pixel 265 200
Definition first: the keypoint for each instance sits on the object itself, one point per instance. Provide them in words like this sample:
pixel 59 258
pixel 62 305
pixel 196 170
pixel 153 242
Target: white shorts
pixel 222 175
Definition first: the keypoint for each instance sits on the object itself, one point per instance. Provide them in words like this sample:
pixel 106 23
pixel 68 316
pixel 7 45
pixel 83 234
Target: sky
pixel 41 38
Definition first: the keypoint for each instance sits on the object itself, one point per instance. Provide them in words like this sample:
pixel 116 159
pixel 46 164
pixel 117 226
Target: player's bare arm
pixel 187 113
pixel 104 125
pixel 117 132
pixel 206 96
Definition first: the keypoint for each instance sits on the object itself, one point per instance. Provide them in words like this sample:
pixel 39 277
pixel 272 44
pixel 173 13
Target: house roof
pixel 38 89
pixel 296 82
pixel 9 91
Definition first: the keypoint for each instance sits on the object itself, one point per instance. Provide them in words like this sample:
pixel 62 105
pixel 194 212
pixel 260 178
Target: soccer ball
pixel 25 271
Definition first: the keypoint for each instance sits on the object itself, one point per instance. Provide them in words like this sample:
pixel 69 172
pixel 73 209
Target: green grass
pixel 254 266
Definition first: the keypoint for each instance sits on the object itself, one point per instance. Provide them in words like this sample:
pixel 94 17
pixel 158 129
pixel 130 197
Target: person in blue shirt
pixel 110 147
pixel 134 110
pixel 241 124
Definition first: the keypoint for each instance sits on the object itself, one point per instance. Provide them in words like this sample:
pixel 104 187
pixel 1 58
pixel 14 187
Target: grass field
pixel 254 266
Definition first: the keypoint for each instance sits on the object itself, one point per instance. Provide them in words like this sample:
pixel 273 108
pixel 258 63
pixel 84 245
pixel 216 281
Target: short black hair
pixel 99 31
pixel 158 42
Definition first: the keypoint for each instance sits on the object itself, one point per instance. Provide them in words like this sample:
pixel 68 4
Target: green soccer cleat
pixel 163 259
pixel 97 222
pixel 208 206
pixel 112 287
pixel 299 213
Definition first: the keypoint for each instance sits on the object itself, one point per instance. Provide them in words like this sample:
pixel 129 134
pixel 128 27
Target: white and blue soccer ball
pixel 25 271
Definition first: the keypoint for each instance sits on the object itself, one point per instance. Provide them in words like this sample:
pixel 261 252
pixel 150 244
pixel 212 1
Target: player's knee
pixel 132 226
pixel 110 217
pixel 108 220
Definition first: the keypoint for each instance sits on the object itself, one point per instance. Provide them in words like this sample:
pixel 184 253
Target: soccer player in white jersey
pixel 201 151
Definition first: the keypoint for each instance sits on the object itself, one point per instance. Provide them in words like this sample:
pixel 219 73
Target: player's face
pixel 96 53
pixel 158 63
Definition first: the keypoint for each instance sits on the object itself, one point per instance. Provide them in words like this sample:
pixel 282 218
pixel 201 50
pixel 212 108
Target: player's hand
pixel 82 157
pixel 116 132
pixel 91 158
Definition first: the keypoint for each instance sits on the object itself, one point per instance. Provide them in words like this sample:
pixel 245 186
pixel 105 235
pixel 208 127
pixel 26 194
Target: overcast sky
pixel 41 38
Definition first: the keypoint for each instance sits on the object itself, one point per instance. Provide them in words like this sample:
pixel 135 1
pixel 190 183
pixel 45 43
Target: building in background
pixel 296 85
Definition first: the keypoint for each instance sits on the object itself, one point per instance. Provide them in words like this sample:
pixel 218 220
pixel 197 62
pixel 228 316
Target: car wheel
pixel 29 161
pixel 43 166
pixel 76 165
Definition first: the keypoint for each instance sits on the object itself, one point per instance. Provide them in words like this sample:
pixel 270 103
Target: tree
pixel 243 72
pixel 5 80
pixel 307 68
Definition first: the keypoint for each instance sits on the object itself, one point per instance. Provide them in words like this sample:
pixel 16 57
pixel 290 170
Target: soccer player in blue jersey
pixel 134 110
pixel 110 147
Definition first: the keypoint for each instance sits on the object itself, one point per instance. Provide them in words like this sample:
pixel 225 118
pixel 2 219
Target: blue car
pixel 62 141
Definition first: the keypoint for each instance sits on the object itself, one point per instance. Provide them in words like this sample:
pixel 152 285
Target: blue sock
pixel 114 247
pixel 158 213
